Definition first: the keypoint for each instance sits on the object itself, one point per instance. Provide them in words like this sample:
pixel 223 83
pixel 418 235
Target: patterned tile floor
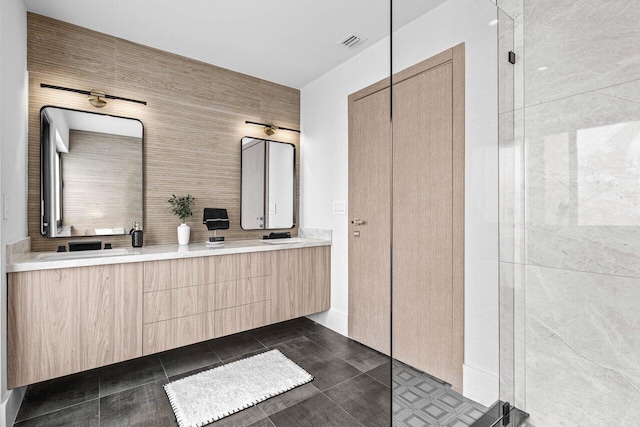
pixel 422 400
pixel 351 387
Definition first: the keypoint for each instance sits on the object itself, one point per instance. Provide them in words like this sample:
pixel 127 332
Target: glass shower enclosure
pixel 452 305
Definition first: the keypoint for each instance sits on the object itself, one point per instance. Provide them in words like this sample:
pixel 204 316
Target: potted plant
pixel 181 207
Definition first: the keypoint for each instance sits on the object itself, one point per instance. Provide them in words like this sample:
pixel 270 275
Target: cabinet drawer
pixel 175 273
pixel 254 315
pixel 168 334
pixel 254 264
pixel 253 289
pixel 239 292
pixel 174 303
pixel 225 322
pixel 228 268
pixel 232 320
pixel 223 295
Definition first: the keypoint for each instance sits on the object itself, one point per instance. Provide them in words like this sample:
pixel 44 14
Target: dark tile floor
pixel 351 385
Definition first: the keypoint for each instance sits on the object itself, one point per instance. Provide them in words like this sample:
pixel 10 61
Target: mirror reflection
pixel 83 158
pixel 268 184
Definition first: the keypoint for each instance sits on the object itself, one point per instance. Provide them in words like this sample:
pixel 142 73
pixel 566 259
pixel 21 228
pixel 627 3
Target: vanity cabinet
pixel 195 299
pixel 68 320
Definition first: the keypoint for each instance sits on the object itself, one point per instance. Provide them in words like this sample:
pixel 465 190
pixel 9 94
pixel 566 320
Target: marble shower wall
pixel 570 255
pixel 582 347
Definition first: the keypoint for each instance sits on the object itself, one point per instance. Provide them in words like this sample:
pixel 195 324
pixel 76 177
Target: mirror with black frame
pixel 91 176
pixel 268 184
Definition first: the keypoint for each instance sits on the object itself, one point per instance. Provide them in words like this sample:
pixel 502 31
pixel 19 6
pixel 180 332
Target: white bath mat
pixel 219 392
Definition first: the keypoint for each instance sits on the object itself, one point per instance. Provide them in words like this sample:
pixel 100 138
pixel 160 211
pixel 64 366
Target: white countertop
pixel 34 260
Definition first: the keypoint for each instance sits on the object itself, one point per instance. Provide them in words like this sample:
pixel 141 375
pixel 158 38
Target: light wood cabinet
pixel 63 321
pixel 216 296
pixel 300 282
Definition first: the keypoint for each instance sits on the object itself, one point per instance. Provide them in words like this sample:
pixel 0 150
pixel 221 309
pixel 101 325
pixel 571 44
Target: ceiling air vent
pixel 352 41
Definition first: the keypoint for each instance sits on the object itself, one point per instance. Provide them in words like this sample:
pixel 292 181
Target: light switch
pixel 339 207
pixel 272 208
pixel 5 206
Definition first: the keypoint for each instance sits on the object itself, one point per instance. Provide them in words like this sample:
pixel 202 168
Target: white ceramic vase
pixel 184 231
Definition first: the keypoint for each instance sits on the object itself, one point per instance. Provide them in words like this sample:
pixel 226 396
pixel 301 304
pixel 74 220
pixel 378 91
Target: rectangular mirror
pixel 91 178
pixel 268 184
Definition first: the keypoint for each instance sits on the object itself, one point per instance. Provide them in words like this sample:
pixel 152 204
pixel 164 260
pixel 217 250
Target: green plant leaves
pixel 181 206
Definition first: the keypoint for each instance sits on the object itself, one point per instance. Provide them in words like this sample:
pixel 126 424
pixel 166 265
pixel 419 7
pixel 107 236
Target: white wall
pixel 324 162
pixel 324 167
pixel 13 163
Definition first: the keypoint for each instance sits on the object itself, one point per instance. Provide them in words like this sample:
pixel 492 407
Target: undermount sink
pixel 61 256
pixel 291 240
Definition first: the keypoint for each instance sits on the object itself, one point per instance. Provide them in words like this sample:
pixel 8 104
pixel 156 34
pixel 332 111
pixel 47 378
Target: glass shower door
pixel 452 96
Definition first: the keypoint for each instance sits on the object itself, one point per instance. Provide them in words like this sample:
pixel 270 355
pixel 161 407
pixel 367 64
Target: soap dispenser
pixel 136 235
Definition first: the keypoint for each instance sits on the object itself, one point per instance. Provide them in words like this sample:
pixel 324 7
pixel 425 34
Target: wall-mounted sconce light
pixel 96 98
pixel 270 129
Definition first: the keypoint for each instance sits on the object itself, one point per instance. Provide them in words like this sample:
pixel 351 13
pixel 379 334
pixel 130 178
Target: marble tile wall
pixel 582 347
pixel 570 213
pixel 586 45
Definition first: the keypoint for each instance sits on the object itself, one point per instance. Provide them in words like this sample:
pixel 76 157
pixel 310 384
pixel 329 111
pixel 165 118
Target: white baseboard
pixel 10 407
pixel 480 386
pixel 334 320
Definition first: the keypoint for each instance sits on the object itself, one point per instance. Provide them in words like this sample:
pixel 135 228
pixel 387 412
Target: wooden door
pixel 428 198
pixel 427 218
pixel 370 215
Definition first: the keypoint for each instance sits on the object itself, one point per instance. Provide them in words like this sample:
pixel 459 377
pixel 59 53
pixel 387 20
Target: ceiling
pixel 291 42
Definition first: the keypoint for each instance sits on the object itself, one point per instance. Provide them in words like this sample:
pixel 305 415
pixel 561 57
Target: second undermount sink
pixel 62 256
pixel 290 241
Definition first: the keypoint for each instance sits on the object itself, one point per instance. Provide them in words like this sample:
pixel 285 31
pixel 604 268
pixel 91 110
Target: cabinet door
pixel 301 282
pixel 63 321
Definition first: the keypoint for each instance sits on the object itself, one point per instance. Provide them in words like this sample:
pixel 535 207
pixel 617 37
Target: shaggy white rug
pixel 219 392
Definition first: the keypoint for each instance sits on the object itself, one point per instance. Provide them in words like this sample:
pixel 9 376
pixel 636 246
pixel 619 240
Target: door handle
pixel 358 222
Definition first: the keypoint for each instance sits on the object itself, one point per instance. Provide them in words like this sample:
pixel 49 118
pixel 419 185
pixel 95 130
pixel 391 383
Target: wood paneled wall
pixel 193 121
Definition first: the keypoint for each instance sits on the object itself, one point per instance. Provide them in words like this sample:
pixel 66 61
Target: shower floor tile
pixel 419 399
